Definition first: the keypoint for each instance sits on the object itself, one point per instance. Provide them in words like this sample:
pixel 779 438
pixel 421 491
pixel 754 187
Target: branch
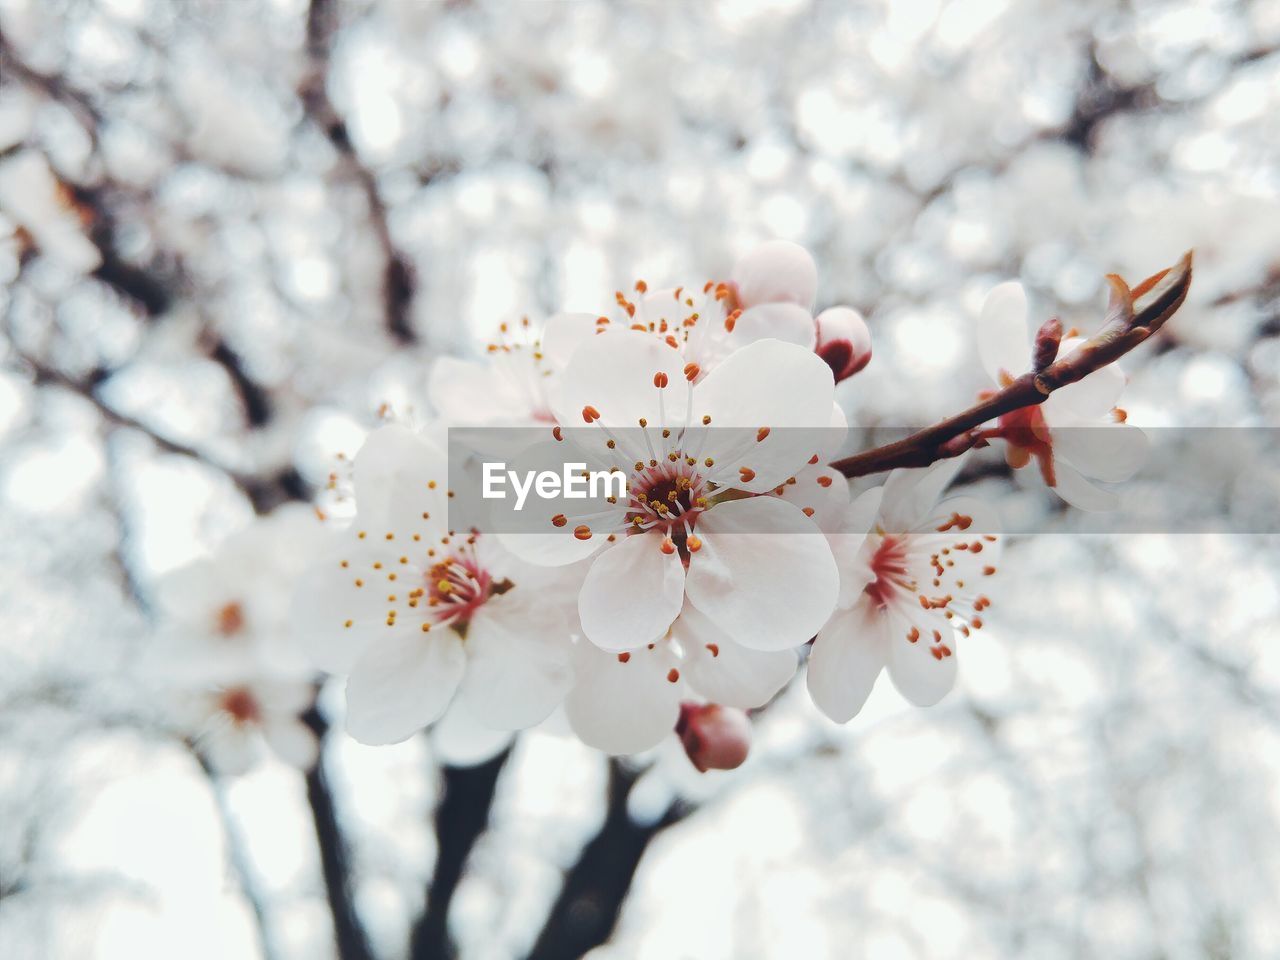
pixel 461 817
pixel 587 909
pixel 1132 316
pixel 348 931
pixel 398 279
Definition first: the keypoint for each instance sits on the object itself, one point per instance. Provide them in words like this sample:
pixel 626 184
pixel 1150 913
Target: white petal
pixel 563 334
pixel 467 393
pixel 726 672
pixel 392 476
pixel 911 494
pixel 920 677
pixel 767 384
pixel 1090 398
pixel 614 373
pixel 777 321
pixel 623 707
pixel 847 656
pixel 1004 343
pixel 327 597
pixel 460 740
pixel 292 741
pixel 1105 451
pixel 764 575
pixel 1072 487
pixel 632 593
pixel 822 493
pixel 777 271
pixel 402 683
pixel 232 750
pixel 518 667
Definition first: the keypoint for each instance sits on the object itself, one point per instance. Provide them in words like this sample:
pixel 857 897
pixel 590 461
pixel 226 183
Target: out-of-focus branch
pixel 398 279
pixel 236 851
pixel 1132 317
pixel 348 930
pixel 595 888
pixel 461 818
pixel 51 85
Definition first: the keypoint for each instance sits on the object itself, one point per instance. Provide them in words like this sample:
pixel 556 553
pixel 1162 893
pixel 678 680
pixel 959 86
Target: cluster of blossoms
pixel 735 554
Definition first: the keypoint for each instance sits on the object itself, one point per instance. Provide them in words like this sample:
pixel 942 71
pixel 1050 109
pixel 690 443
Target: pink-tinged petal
pixel 776 272
pixel 843 341
pixel 771 385
pixel 764 573
pixel 1087 399
pixel 612 376
pixel 847 656
pixel 338 610
pixel 1110 452
pixel 923 672
pixel 631 593
pixel 292 741
pixel 518 667
pixel 402 683
pixel 624 702
pixel 726 672
pixel 1004 342
pixel 1072 487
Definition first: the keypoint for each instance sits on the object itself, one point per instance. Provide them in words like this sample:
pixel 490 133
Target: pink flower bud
pixel 776 272
pixel 844 341
pixel 714 737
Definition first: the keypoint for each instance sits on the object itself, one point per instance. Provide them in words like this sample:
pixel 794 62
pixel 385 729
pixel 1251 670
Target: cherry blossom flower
pixel 237 718
pixel 415 613
pixel 515 384
pixel 769 297
pixel 1078 432
pixel 693 453
pixel 236 600
pixel 913 572
pixel 630 701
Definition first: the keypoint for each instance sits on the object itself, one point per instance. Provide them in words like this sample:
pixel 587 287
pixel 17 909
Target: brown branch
pixel 595 888
pixel 1132 317
pixel 461 818
pixel 398 280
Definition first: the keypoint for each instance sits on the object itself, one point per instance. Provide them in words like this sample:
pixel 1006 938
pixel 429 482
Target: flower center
pixel 1028 436
pixel 457 587
pixel 889 565
pixel 241 706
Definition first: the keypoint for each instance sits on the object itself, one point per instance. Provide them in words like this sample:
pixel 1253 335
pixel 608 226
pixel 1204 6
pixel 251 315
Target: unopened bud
pixel 844 341
pixel 714 737
pixel 1048 339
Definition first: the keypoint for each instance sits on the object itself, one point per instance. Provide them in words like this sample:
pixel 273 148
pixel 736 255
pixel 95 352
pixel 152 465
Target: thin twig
pixel 1132 317
pixel 238 855
pixel 398 280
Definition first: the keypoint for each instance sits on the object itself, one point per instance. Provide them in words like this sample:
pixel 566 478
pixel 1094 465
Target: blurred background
pixel 233 233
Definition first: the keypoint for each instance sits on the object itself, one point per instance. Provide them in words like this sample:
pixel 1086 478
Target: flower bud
pixel 714 737
pixel 776 272
pixel 844 341
pixel 1048 339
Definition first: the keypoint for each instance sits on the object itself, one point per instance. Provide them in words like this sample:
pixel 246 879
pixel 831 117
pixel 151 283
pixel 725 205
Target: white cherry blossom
pixel 913 574
pixel 1078 432
pixel 415 613
pixel 694 451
